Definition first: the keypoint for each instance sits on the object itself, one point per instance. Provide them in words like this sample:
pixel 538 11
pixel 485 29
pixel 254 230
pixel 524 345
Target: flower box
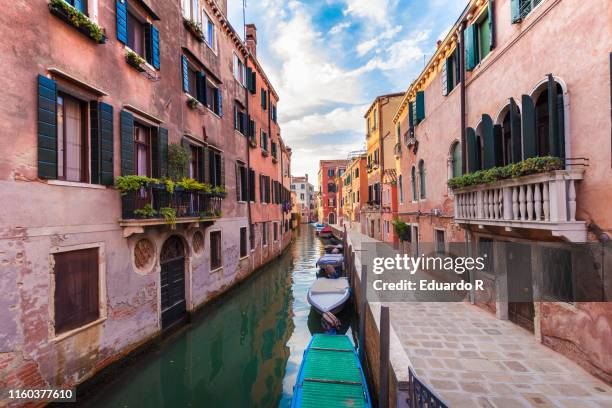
pixel 78 20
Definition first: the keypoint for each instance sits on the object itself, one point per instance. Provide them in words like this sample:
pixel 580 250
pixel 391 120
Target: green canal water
pixel 243 352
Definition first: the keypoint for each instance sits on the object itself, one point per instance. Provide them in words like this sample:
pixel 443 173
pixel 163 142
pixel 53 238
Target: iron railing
pixel 148 202
pixel 420 396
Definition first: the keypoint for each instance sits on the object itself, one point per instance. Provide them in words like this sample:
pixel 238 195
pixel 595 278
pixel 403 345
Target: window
pixel 136 33
pixel 302 196
pixel 215 250
pixel 193 81
pixel 241 182
pixel 450 72
pixel 330 172
pixel 302 186
pixel 422 179
pixel 479 40
pixel 239 70
pixel 356 173
pixel 72 160
pixel 243 242
pixel 401 188
pixel 275 231
pixel 456 160
pixel 79 5
pixel 210 33
pixel 142 149
pixel 77 293
pixel 331 188
pixel 522 8
pixel 251 188
pixel 274 151
pixel 440 246
pixel 215 167
pixel 240 118
pixel 191 10
pixel 213 98
pixel 264 233
pixel 558 279
pixel 375 116
pixel 398 132
pixel 413 183
pixel 264 99
pixel 196 169
pixel 263 140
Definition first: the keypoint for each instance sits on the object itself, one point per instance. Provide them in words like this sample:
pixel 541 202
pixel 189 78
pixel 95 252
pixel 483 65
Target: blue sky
pixel 329 59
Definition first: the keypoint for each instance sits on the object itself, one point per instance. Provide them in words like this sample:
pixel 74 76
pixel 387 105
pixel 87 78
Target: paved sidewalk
pixel 472 359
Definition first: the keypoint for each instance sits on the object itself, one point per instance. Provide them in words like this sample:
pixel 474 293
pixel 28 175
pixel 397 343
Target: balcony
pixel 545 201
pixel 154 205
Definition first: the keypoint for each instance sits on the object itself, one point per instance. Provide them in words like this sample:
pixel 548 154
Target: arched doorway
pixel 332 218
pixel 550 120
pixel 172 262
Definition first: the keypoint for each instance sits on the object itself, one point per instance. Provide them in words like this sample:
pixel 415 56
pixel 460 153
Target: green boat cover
pixel 331 375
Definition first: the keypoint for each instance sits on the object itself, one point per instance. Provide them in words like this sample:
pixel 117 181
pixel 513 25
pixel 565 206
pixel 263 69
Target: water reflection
pixel 244 352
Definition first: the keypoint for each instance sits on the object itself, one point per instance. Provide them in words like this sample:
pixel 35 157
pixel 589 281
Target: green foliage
pixel 178 161
pixel 220 190
pixel 78 19
pixel 190 184
pixel 134 59
pixel 169 185
pixel 193 103
pixel 125 184
pixel 533 165
pixel 401 229
pixel 169 215
pixel 146 212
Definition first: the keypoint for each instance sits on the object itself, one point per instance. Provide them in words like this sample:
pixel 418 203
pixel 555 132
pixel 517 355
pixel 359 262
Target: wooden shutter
pixel 201 88
pixel 127 143
pixel 94 126
pixel 444 77
pixel 238 188
pixel 529 127
pixel 47 128
pixel 222 169
pixel 244 183
pixel 515 132
pixel 107 144
pixel 450 82
pixel 160 153
pixel 185 70
pixel 262 197
pixel 553 121
pixel 155 47
pixel 491 10
pixel 515 7
pixel 470 138
pixel 253 83
pixel 470 47
pixel 76 297
pixel 420 106
pixel 252 194
pixel 122 29
pixel 488 135
pixel 206 165
pixel 457 66
pixel 411 114
pixel 498 137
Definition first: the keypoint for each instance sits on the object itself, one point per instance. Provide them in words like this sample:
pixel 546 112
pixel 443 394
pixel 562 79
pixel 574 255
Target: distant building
pixel 329 190
pixel 304 195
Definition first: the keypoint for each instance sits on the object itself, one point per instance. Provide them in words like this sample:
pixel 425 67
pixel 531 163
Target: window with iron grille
pixel 215 250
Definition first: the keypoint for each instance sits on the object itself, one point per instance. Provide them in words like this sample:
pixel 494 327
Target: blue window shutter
pixel 515 8
pixel 127 143
pixel 47 128
pixel 155 47
pixel 491 11
pixel 529 127
pixel 472 157
pixel 107 151
pixel 201 87
pixel 122 32
pixel 490 147
pixel 220 102
pixel 78 4
pixel 420 106
pixel 94 126
pixel 470 47
pixel 185 68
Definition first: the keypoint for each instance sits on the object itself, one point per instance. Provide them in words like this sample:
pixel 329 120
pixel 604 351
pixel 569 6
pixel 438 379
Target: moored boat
pixel 329 295
pixel 326 232
pixel 330 375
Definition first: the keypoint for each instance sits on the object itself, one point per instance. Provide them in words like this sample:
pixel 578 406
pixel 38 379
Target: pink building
pixel 514 80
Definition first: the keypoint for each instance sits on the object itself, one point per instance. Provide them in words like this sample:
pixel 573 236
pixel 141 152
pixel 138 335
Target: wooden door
pixel 520 285
pixel 173 302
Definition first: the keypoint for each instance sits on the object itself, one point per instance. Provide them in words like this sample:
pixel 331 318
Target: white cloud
pixel 348 120
pixel 340 27
pixel 366 46
pixel 376 11
pixel 397 56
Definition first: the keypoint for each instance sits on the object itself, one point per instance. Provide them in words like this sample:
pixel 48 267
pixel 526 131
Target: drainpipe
pixel 248 160
pixel 463 99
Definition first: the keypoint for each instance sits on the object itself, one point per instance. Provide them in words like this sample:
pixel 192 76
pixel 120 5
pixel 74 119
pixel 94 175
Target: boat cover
pixel 330 259
pixel 323 285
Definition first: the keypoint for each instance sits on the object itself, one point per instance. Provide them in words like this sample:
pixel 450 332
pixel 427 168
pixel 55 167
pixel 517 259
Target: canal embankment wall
pixel 398 381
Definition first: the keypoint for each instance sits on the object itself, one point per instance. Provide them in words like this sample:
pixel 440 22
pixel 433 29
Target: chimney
pixel 251 38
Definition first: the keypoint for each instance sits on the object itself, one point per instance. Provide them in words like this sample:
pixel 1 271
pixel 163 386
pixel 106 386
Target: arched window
pixel 511 126
pixel 331 188
pixel 479 152
pixel 401 188
pixel 413 183
pixel 546 118
pixel 456 164
pixel 422 179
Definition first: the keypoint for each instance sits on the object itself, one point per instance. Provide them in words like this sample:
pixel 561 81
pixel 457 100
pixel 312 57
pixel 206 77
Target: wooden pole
pixel 362 313
pixel 383 398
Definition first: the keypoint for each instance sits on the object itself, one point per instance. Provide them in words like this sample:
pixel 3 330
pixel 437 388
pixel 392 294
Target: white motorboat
pixel 329 295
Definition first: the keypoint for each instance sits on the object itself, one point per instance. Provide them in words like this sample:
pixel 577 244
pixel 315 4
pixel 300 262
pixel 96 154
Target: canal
pixel 244 351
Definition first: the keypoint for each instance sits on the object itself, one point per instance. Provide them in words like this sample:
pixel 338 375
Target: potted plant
pixel 146 212
pixel 127 184
pixel 219 191
pixel 135 60
pixel 178 161
pixel 194 28
pixel 80 21
pixel 192 102
pixel 169 215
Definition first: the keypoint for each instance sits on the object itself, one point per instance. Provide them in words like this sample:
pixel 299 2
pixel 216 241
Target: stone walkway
pixel 472 359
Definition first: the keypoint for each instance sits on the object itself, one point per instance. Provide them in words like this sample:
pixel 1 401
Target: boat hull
pixel 330 301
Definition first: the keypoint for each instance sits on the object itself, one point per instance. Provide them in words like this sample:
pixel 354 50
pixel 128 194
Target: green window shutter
pixel 253 83
pixel 457 66
pixel 490 146
pixel 47 128
pixel 107 145
pixel 222 167
pixel 94 126
pixel 515 132
pixel 201 87
pixel 470 47
pixel 472 157
pixel 450 80
pixel 160 153
pixel 420 106
pixel 491 10
pixel 411 114
pixel 553 121
pixel 515 8
pixel 498 135
pixel 127 143
pixel 444 77
pixel 484 38
pixel 529 127
pixel 457 167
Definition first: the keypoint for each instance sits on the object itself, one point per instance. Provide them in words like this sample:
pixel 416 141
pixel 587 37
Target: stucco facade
pixel 304 194
pixel 330 193
pixel 43 216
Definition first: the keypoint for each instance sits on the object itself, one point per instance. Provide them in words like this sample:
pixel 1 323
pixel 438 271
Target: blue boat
pixel 330 375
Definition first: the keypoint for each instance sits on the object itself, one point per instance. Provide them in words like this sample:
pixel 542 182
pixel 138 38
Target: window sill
pixel 70 333
pixel 75 184
pixel 245 257
pixel 217 270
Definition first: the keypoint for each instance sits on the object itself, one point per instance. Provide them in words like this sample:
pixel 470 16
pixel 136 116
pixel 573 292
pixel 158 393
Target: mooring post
pixel 362 312
pixel 383 398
